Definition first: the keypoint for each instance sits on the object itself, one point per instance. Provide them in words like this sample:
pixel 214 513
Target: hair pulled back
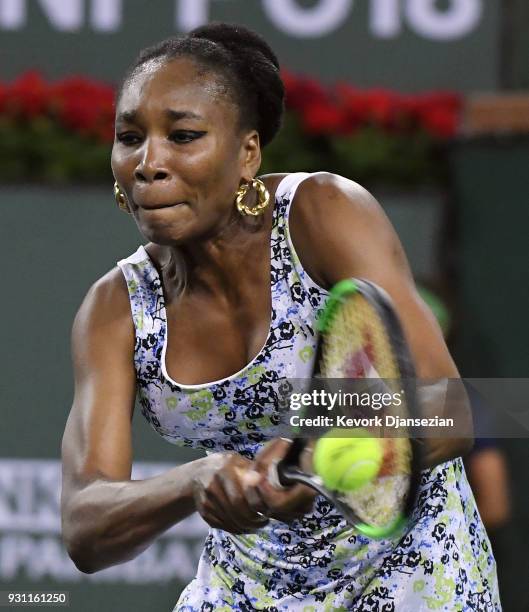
pixel 243 60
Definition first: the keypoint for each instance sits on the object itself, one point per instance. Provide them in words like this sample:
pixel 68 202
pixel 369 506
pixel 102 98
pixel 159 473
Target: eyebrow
pixel 174 115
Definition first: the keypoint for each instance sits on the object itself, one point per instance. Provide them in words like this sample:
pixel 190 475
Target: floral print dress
pixel 444 560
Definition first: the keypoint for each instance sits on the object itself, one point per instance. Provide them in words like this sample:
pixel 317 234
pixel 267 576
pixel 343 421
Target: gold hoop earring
pixel 121 199
pixel 263 198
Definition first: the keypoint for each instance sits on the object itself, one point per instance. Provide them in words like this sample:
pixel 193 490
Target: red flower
pixel 3 96
pixel 301 92
pixel 381 105
pixel 348 99
pixel 439 113
pixel 85 106
pixel 323 118
pixel 440 122
pixel 27 96
pixel 409 110
pixel 375 106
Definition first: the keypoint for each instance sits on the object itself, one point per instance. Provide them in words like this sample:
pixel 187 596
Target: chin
pixel 165 233
pixel 165 238
pixel 172 237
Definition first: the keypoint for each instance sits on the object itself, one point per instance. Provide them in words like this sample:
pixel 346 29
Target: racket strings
pixel 380 501
pixel 358 346
pixel 396 458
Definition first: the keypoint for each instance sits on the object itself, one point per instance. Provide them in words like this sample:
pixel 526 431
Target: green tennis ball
pixel 347 463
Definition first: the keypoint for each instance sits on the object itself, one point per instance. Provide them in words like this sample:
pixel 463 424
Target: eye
pixel 128 138
pixel 185 136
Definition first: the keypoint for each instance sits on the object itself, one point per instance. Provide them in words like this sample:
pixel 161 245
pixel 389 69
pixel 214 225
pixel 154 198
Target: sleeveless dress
pixel 444 560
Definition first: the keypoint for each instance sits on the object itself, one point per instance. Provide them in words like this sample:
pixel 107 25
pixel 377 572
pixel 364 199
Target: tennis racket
pixel 361 338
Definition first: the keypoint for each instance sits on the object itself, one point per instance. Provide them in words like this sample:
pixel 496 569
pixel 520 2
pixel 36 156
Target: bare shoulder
pixel 110 289
pixel 328 205
pixel 331 213
pixel 272 181
pixel 326 195
pixel 105 305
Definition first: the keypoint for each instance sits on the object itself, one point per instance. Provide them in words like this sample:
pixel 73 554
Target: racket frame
pixel 286 472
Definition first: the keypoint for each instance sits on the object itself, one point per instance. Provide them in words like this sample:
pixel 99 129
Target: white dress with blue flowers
pixel 444 560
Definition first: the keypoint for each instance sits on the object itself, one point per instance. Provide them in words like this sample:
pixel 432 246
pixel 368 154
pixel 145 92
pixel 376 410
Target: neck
pixel 219 264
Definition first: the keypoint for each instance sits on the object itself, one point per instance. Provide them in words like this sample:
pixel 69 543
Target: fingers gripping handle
pixel 280 472
pixel 286 472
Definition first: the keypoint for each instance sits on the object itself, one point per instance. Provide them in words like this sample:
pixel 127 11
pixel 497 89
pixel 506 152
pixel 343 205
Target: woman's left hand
pixel 282 504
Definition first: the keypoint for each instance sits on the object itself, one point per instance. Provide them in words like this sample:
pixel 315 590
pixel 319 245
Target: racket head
pixel 361 338
pixel 361 332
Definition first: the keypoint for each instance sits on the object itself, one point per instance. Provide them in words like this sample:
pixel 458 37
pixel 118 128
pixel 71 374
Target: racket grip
pixel 275 476
pixel 279 470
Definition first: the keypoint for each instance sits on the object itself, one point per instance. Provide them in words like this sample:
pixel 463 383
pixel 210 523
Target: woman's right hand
pixel 219 492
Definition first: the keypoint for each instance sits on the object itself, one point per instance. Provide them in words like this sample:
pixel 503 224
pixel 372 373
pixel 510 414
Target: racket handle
pixel 275 478
pixel 278 473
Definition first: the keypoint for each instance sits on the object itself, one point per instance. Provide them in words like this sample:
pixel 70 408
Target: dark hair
pixel 246 62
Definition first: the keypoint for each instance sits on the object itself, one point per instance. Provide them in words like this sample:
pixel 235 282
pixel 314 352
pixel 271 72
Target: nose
pixel 151 166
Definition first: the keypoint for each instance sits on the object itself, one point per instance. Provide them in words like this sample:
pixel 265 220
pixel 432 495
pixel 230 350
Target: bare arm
pixel 489 476
pixel 106 517
pixel 340 231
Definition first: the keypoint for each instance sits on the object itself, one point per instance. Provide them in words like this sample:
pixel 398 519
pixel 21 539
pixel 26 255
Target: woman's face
pixel 179 154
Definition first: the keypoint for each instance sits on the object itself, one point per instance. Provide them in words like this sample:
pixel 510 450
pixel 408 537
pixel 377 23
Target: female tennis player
pixel 202 320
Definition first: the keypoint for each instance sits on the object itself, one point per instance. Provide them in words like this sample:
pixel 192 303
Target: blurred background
pixel 424 102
